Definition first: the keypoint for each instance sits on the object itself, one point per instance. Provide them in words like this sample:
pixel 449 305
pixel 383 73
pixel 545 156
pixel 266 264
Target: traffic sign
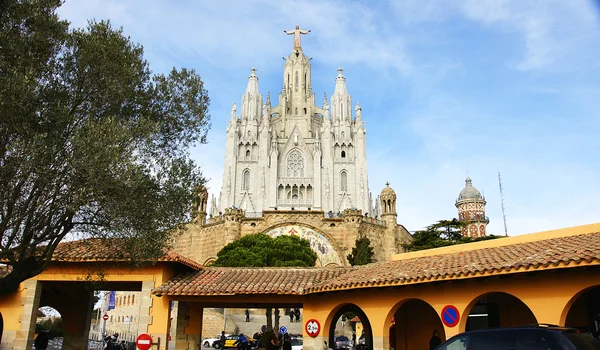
pixel 450 315
pixel 105 317
pixel 282 330
pixel 144 341
pixel 312 327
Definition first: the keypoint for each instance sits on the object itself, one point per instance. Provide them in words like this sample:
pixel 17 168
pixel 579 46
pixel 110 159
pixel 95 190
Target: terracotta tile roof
pixel 230 281
pixel 96 249
pixel 570 251
pixel 531 256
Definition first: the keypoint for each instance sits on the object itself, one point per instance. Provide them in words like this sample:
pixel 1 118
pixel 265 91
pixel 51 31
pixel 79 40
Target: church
pixel 295 167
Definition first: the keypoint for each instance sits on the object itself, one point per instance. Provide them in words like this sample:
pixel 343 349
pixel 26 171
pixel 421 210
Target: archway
pixel 583 312
pixel 1 327
pixel 410 332
pixel 350 326
pixel 497 309
pixel 48 328
pixel 327 255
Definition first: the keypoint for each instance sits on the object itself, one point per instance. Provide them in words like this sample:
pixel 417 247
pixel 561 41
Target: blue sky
pixel 446 88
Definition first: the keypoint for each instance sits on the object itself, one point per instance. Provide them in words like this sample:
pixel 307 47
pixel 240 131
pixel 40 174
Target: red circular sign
pixel 105 317
pixel 450 315
pixel 144 341
pixel 312 327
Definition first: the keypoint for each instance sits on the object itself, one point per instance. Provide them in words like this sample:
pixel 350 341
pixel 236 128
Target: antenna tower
pixel 502 204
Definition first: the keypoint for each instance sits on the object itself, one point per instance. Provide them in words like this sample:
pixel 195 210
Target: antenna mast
pixel 502 204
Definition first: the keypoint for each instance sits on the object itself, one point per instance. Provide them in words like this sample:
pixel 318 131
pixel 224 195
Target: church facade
pixel 295 168
pixel 296 154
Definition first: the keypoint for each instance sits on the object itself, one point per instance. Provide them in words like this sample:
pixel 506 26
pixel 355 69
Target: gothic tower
pixel 471 210
pixel 296 154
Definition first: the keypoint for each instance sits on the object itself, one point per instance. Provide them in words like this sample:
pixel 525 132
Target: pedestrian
pixel 297 314
pixel 247 312
pixel 274 343
pixel 287 344
pixel 435 340
pixel 222 340
pixel 41 342
pixel 291 315
pixel 242 341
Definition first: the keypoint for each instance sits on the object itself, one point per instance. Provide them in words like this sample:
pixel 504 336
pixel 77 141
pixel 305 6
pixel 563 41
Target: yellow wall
pixel 547 294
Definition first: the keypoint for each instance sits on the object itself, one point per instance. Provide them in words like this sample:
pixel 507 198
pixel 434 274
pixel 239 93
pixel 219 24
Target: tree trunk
pixel 269 319
pixel 277 319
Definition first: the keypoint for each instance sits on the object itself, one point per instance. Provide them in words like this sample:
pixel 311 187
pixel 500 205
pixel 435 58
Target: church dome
pixel 469 192
pixel 387 192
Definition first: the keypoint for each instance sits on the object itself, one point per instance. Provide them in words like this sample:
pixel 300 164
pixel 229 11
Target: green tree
pixel 440 234
pixel 260 250
pixel 91 143
pixel 362 253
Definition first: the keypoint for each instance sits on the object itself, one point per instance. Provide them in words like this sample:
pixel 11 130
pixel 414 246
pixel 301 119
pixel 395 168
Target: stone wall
pixel 202 242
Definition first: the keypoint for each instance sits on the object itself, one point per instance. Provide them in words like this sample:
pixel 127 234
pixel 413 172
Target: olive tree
pixel 92 144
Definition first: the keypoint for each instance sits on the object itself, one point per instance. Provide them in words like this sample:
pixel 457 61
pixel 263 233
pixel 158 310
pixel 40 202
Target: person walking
pixel 287 344
pixel 297 314
pixel 41 342
pixel 291 315
pixel 435 340
pixel 247 313
pixel 222 340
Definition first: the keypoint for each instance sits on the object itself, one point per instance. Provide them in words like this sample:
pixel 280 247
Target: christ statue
pixel 296 32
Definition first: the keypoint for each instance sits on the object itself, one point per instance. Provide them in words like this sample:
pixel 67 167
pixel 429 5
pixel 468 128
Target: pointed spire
pixel 252 82
pixel 269 98
pixel 340 83
pixel 324 99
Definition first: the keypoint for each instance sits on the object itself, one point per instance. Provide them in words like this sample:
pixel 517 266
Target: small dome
pixel 387 192
pixel 469 192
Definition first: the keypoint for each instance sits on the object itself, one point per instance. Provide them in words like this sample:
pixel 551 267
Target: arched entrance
pixel 413 324
pixel 584 311
pixel 48 327
pixel 327 255
pixel 350 324
pixel 497 309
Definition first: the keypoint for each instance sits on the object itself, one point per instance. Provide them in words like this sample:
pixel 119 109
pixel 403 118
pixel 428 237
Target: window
pixel 344 181
pixel 295 164
pixel 248 154
pixel 458 343
pixel 296 83
pixel 343 154
pixel 246 180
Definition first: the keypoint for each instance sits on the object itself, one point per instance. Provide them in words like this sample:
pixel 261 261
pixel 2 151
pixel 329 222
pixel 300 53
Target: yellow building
pixel 548 277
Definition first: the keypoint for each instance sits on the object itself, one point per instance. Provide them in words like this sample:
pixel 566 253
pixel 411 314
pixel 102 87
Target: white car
pixel 297 343
pixel 212 342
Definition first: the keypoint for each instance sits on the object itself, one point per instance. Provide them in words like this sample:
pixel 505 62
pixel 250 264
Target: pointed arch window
pixel 246 180
pixel 295 164
pixel 296 82
pixel 344 181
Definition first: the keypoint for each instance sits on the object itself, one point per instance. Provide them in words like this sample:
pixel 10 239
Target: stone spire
pixel 252 99
pixel 341 104
pixel 340 83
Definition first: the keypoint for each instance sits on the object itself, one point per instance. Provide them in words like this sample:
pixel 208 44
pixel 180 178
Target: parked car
pixel 296 343
pixel 539 337
pixel 231 339
pixel 210 342
pixel 342 342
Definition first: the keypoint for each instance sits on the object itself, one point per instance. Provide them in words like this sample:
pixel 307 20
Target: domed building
pixel 471 210
pixel 294 166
